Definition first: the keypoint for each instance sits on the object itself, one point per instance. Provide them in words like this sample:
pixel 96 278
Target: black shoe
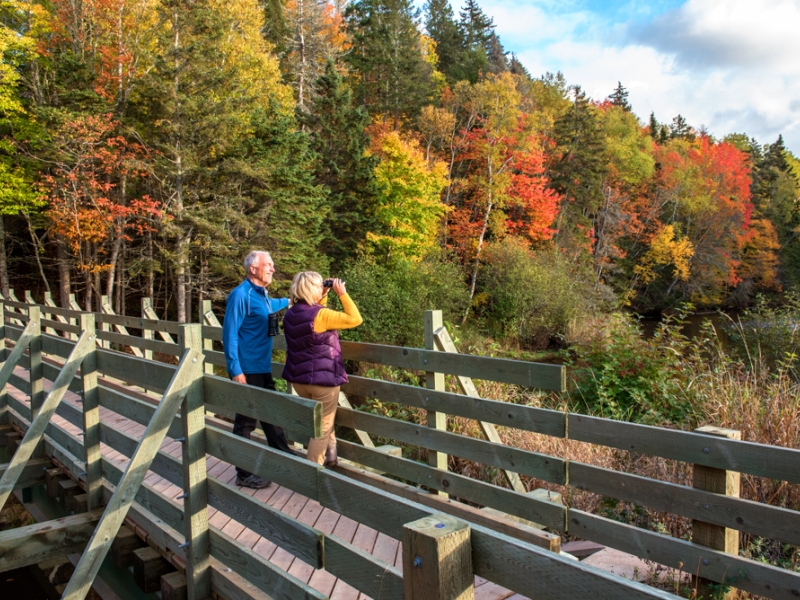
pixel 253 481
pixel 331 456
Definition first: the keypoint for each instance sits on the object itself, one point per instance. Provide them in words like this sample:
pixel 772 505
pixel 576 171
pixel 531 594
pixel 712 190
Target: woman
pixel 314 364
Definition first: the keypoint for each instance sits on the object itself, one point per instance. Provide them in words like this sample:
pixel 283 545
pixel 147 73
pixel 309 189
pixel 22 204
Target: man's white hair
pixel 251 258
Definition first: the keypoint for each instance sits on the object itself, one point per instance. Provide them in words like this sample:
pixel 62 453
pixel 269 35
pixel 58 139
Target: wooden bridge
pixel 136 449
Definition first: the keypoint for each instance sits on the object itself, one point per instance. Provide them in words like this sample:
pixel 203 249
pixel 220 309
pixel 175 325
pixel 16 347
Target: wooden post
pixel 437 559
pixel 208 317
pixel 723 482
pixel 147 334
pixel 67 490
pixel 31 330
pixel 91 416
pixel 48 301
pixel 104 326
pixel 39 423
pixel 35 361
pixel 173 585
pixel 445 344
pixel 106 309
pixel 435 381
pixel 140 462
pixel 151 314
pixel 52 477
pixel 3 390
pixel 148 567
pixel 73 305
pixel 195 483
pixel 125 542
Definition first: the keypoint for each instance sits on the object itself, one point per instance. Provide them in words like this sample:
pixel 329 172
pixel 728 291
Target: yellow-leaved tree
pixel 667 248
pixel 409 210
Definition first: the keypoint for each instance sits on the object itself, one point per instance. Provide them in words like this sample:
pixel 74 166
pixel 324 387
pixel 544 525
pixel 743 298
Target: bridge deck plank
pixel 292 503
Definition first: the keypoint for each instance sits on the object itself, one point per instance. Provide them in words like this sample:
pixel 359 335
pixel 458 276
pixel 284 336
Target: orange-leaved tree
pixel 91 174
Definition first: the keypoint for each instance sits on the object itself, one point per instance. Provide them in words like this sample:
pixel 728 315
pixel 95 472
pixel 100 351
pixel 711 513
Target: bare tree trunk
pixel 181 276
pixel 480 244
pixel 38 250
pixel 202 280
pixel 183 238
pixel 302 50
pixel 87 302
pixel 111 277
pixel 150 268
pixel 119 304
pixel 4 285
pixel 64 276
pixel 96 279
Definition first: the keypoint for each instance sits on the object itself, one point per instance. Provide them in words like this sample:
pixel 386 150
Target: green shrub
pixel 620 374
pixel 532 299
pixel 769 333
pixel 392 298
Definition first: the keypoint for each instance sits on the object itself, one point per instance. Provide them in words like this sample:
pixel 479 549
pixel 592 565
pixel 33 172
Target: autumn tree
pixel 775 190
pixel 18 194
pixel 87 198
pixel 408 207
pixel 708 187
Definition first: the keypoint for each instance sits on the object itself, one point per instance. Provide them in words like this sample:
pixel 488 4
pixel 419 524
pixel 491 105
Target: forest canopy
pixel 147 145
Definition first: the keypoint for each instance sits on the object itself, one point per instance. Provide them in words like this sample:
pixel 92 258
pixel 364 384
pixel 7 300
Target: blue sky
pixel 728 65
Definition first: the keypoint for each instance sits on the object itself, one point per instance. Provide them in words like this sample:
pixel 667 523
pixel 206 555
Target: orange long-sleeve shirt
pixel 328 319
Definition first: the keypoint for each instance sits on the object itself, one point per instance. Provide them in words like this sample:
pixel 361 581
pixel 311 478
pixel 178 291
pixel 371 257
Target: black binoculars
pixel 272 325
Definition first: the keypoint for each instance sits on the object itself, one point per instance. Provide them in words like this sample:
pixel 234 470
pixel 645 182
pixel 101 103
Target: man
pixel 248 349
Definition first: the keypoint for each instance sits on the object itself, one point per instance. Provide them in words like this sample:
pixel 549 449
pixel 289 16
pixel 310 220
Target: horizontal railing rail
pixel 302 421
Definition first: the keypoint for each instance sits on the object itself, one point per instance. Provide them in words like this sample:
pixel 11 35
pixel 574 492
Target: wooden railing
pixel 522 559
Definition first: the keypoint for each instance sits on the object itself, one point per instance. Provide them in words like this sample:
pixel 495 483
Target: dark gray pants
pixel 243 426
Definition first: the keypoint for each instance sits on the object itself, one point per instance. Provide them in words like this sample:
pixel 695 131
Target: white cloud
pixel 730 65
pixel 728 33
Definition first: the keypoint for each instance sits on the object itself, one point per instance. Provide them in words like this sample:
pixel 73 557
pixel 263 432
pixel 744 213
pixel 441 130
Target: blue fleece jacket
pixel 248 348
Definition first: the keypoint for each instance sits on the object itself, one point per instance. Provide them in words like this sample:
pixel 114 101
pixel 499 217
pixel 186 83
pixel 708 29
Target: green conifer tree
pixel 577 173
pixel 654 126
pixel 680 129
pixel 337 129
pixel 287 206
pixel 441 25
pixel 619 97
pixel 390 74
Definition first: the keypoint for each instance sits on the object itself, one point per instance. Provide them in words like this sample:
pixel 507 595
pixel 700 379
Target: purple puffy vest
pixel 311 358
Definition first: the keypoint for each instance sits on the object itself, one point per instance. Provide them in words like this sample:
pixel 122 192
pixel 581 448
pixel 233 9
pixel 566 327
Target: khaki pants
pixel 329 397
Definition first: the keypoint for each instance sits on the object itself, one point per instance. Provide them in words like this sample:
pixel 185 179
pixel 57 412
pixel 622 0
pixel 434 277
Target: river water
pixel 693 325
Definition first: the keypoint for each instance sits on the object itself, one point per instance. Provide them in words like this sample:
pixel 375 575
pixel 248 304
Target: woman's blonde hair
pixel 307 286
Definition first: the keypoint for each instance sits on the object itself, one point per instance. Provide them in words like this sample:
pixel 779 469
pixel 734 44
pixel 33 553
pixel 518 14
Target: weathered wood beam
pixel 125 542
pixel 91 417
pixel 437 559
pixel 195 479
pixel 445 343
pixel 32 473
pixel 460 486
pixel 33 544
pixel 434 380
pixel 31 330
pixel 148 567
pixel 48 409
pixel 132 479
pixel 105 308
